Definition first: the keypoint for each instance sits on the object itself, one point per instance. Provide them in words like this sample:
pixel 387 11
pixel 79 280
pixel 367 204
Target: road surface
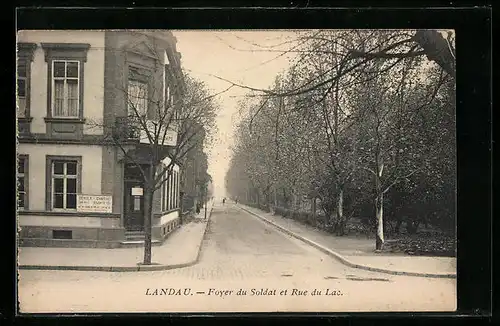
pixel 246 266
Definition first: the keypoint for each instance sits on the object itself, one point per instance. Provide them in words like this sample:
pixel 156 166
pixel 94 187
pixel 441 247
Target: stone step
pixel 134 235
pixel 134 232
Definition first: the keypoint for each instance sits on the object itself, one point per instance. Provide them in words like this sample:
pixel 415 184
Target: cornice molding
pixel 66 50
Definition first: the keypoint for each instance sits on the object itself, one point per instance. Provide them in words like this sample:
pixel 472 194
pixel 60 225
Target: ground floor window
pixel 64 180
pixel 22 182
pixel 170 191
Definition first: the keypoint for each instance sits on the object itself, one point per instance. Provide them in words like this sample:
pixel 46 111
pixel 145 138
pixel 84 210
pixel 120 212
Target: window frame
pixel 49 177
pixel 22 62
pixel 138 73
pixel 146 87
pixel 65 79
pixel 169 190
pixel 25 176
pixel 25 57
pixel 65 52
pixel 162 193
pixel 176 186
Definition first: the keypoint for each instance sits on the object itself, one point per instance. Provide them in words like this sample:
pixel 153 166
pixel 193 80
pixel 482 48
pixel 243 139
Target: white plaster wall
pixel 91 168
pixel 68 221
pixel 93 93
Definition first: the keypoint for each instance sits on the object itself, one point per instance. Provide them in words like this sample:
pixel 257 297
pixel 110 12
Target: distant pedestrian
pixel 224 201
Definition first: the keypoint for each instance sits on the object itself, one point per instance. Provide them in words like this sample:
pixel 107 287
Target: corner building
pixel 75 188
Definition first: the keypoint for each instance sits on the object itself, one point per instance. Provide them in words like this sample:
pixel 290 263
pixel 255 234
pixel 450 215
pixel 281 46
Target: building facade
pixel 75 186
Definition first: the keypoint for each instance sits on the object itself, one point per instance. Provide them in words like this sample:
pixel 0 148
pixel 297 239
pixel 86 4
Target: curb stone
pixel 344 260
pixel 143 268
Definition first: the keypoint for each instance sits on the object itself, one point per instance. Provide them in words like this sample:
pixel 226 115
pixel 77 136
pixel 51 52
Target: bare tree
pixel 356 96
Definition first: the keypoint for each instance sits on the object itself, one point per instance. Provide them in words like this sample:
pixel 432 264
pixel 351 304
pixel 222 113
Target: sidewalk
pixel 180 249
pixel 359 252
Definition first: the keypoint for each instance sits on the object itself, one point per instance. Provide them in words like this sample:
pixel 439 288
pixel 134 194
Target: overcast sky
pixel 235 56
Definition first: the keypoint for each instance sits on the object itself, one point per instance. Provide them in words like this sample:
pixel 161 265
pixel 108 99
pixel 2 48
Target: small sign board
pixel 166 137
pixel 136 191
pixel 94 204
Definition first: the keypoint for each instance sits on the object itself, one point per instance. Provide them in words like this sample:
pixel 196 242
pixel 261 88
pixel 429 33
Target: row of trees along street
pixel 356 136
pixel 154 115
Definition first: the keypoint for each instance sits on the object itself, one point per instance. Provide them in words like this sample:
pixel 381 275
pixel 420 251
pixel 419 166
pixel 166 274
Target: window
pixel 64 183
pixel 65 63
pixel 170 192
pixel 163 193
pixel 66 90
pixel 25 57
pixel 176 188
pixel 22 88
pixel 167 97
pixel 62 234
pixel 22 183
pixel 137 97
pixel 169 187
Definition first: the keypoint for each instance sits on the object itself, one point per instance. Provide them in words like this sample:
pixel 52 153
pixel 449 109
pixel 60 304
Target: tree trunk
pixel 379 211
pixel 437 49
pixel 147 224
pixel 340 213
pixel 285 200
pixel 397 229
pixel 275 200
pixel 181 207
pixel 313 207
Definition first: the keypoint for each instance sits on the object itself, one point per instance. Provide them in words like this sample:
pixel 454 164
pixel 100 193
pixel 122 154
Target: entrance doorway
pixel 133 199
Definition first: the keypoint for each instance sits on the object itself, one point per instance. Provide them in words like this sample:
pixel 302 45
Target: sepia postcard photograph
pixel 206 171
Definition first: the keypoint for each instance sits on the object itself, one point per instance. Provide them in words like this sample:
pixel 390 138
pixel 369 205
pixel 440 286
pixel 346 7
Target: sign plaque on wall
pixel 136 191
pixel 94 204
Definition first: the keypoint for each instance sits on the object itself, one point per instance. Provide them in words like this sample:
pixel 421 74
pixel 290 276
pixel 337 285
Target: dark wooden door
pixel 134 208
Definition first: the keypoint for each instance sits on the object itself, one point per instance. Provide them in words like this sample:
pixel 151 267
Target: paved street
pixel 239 252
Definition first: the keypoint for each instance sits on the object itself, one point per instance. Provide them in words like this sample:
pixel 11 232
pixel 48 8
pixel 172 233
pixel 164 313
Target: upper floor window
pixel 65 63
pixel 137 97
pixel 22 88
pixel 24 59
pixel 66 90
pixel 168 98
